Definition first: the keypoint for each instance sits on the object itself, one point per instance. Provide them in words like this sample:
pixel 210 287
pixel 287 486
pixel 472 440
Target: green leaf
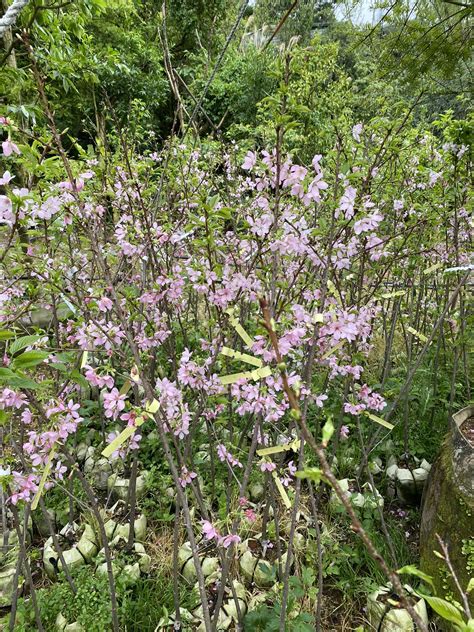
pixel 5 373
pixel 470 586
pixel 5 334
pixel 313 473
pixel 328 431
pixel 23 382
pixel 446 610
pixel 78 378
pixel 29 359
pixel 413 570
pixel 7 376
pixel 59 366
pixel 21 343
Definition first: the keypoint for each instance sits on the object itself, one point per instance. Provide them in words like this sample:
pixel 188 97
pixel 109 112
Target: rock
pixel 366 499
pixel 81 451
pixel 7 575
pixel 63 626
pixel 392 471
pixel 299 541
pixel 410 484
pixel 404 476
pixel 79 554
pixel 256 492
pixel 448 510
pixel 228 614
pixel 420 474
pixel 357 500
pixel 58 520
pixel 202 457
pixel 255 568
pixel 129 573
pixel 209 565
pixel 114 529
pixel 144 560
pixel 376 465
pixel 185 616
pixel 372 497
pixel 386 618
pixel 334 502
pixel 119 486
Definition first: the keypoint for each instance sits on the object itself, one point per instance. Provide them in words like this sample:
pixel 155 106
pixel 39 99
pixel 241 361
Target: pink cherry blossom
pixel 344 432
pixel 250 515
pixel 11 399
pixel 6 210
pixel 186 476
pixel 209 531
pixel 24 487
pixel 6 178
pixel 267 466
pixel 98 380
pixel 104 304
pixel 346 203
pixel 249 161
pixel 10 148
pixel 261 225
pixel 319 400
pixel 224 455
pixel 368 223
pixel 227 540
pixel 114 403
pixel 353 409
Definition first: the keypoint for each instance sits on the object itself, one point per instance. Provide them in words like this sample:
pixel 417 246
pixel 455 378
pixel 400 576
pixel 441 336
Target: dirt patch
pixel 467 430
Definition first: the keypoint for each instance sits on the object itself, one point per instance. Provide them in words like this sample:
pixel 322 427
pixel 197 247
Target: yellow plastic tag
pixel 329 352
pixel 264 371
pixel 433 268
pixel 85 356
pixel 294 445
pixel 393 294
pixel 125 388
pixel 417 334
pixel 318 318
pixel 245 357
pixel 378 420
pixel 153 407
pixel 134 376
pixel 238 328
pixel 282 490
pixel 45 475
pixel 122 437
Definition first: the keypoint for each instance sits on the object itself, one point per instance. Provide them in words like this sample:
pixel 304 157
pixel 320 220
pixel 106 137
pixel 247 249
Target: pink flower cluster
pixel 186 476
pixel 225 456
pixel 12 399
pixel 368 400
pixel 114 403
pixel 97 334
pixel 175 409
pixel 211 533
pixel 96 379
